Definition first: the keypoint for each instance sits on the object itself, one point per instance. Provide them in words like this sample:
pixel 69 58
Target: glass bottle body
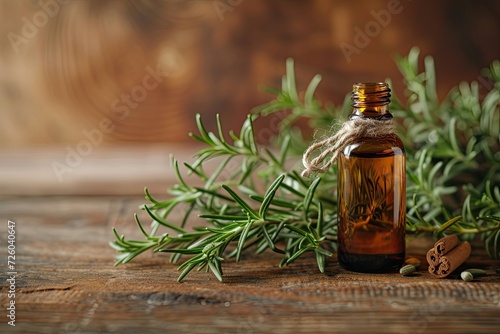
pixel 372 204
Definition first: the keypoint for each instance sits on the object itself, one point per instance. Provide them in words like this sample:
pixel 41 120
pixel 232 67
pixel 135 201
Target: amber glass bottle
pixel 371 191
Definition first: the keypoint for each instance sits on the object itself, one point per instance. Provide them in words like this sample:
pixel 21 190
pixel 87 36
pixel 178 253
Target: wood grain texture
pixel 92 54
pixel 66 283
pixel 117 170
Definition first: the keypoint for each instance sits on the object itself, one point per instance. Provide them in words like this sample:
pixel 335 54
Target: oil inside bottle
pixel 372 204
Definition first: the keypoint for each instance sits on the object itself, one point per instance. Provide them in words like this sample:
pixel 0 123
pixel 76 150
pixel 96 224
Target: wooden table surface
pixel 66 283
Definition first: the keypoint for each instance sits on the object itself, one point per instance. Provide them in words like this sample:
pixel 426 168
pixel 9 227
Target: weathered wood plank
pixel 122 170
pixel 66 283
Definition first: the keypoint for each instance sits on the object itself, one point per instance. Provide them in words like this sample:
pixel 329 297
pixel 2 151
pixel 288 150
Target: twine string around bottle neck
pixel 351 132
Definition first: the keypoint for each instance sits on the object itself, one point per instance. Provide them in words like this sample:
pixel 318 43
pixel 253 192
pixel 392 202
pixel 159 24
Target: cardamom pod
pixel 467 276
pixel 407 270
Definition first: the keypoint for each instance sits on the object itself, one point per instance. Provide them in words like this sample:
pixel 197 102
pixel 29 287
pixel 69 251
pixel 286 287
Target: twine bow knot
pixel 351 132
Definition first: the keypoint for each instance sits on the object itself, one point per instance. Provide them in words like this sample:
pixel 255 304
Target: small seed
pixel 466 276
pixel 477 272
pixel 407 270
pixel 413 261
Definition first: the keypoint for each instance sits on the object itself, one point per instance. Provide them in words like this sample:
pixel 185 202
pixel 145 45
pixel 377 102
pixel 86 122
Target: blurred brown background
pixel 138 71
pixel 64 71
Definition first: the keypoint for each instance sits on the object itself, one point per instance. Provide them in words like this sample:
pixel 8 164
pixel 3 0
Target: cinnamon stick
pixel 446 244
pixel 441 247
pixel 432 257
pixel 452 260
pixel 432 269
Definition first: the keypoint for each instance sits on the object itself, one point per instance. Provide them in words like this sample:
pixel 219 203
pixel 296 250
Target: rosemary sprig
pixel 452 167
pixel 234 210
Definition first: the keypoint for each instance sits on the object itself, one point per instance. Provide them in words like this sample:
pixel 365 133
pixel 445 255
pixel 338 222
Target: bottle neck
pixel 370 100
pixel 381 113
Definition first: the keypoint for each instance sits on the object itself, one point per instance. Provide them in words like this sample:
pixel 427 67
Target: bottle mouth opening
pixel 369 94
